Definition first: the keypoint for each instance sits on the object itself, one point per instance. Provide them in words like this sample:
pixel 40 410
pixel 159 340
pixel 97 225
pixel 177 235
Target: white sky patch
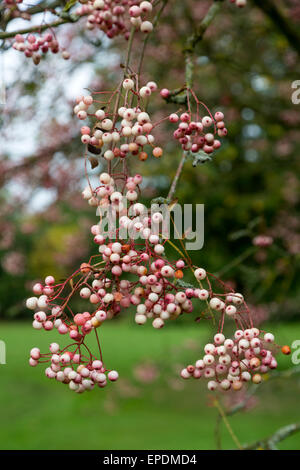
pixel 21 138
pixel 42 199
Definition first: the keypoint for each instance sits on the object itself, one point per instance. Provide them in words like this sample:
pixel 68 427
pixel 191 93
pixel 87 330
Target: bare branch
pixel 179 96
pixel 176 177
pixel 44 5
pixel 38 28
pixel 271 9
pixel 270 443
pixel 39 8
pixel 197 36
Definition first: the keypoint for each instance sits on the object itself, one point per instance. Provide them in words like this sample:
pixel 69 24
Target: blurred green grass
pixel 37 413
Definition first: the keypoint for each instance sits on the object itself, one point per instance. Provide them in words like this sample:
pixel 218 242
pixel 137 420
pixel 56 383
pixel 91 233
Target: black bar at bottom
pixel 131 458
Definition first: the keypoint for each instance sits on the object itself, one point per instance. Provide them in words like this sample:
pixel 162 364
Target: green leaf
pixel 254 222
pixel 185 285
pixel 239 234
pixel 199 157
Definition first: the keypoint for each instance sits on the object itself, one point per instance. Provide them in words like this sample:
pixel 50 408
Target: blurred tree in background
pixel 244 65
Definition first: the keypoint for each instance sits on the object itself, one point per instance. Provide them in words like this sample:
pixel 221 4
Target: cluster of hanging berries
pixel 156 289
pixel 153 291
pixel 158 294
pixel 36 46
pixel 79 371
pixel 115 17
pixel 107 197
pixel 100 285
pixel 122 126
pixel 73 365
pixel 239 3
pixel 130 268
pixel 229 363
pixel 104 288
pixel 155 286
pixel 196 133
pixel 194 136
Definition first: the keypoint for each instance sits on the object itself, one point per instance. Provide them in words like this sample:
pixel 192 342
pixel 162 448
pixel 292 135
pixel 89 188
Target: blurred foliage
pixel 245 66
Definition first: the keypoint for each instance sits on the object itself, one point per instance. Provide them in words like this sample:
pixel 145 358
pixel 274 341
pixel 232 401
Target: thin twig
pixel 129 48
pixel 155 21
pixel 218 432
pixel 237 261
pixel 270 443
pixel 227 424
pixel 176 177
pixel 196 37
pixel 54 24
pixel 179 96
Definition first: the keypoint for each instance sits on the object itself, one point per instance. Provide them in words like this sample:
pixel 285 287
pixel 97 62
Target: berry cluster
pixel 153 292
pixel 122 125
pixel 106 196
pixel 229 363
pixel 126 273
pixel 79 368
pixel 36 46
pixel 132 270
pixel 80 372
pixel 193 135
pixel 115 17
pixel 157 292
pixel 193 130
